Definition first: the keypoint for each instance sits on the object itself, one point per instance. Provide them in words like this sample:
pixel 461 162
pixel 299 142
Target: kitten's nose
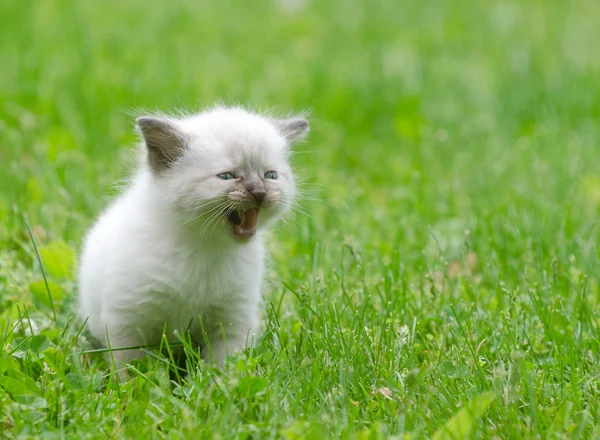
pixel 257 189
pixel 259 195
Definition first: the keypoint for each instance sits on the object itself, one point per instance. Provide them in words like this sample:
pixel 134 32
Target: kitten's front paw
pixel 218 351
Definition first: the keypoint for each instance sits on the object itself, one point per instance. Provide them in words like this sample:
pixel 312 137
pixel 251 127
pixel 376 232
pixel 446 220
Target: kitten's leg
pixel 232 331
pixel 119 338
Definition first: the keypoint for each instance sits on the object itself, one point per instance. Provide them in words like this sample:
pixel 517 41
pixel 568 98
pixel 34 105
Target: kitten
pixel 184 245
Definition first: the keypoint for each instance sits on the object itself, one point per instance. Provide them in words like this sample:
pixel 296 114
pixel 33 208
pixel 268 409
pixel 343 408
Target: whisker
pixel 295 208
pixel 300 211
pixel 203 213
pixel 312 199
pixel 191 205
pixel 213 217
pixel 222 219
pixel 215 210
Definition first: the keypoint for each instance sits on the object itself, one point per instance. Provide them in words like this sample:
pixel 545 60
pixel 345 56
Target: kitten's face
pixel 226 171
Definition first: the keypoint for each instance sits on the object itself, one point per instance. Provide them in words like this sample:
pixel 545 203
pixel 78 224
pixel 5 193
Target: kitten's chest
pixel 214 280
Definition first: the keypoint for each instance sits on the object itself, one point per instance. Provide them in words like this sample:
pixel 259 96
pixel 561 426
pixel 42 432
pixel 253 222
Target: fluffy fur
pixel 182 246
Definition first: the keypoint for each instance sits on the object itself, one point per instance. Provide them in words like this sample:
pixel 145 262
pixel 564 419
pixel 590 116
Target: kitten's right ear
pixel 163 139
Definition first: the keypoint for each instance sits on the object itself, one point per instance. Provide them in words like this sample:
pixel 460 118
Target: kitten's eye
pixel 271 175
pixel 226 176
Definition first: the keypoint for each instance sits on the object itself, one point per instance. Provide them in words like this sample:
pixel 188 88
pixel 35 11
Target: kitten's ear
pixel 163 139
pixel 292 129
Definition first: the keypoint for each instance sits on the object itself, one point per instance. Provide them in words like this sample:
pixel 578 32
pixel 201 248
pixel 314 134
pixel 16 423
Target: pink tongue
pixel 247 226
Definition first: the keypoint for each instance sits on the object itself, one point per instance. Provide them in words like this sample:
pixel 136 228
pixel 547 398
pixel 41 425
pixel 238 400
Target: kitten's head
pixel 225 171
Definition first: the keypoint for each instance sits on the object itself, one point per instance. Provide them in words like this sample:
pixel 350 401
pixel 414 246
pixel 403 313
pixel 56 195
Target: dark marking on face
pixel 251 191
pixel 257 189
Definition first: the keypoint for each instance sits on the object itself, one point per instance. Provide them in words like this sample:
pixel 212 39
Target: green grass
pixel 451 264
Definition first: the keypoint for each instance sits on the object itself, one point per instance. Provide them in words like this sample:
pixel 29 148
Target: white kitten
pixel 183 246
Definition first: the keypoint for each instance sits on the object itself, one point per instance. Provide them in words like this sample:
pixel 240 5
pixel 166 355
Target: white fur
pixel 158 254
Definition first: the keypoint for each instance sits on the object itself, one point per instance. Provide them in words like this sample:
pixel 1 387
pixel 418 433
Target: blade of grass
pixel 41 263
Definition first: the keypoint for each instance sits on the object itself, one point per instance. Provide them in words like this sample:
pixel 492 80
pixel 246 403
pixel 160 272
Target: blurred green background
pixel 454 150
pixel 433 109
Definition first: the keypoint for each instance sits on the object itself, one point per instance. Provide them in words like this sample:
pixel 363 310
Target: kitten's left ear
pixel 292 129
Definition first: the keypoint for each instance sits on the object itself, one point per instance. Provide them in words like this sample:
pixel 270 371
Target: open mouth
pixel 243 222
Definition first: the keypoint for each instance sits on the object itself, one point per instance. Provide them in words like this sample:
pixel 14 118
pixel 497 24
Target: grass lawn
pixel 444 282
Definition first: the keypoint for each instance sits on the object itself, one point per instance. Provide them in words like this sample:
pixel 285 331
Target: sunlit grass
pixel 445 279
